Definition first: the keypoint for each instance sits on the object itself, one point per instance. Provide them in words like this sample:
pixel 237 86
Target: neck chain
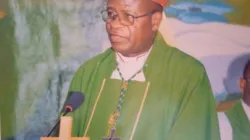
pixel 115 116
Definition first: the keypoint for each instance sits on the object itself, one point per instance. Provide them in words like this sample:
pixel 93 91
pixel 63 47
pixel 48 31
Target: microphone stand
pixel 65 113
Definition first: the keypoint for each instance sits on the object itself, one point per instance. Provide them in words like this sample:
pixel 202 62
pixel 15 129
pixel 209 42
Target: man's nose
pixel 116 23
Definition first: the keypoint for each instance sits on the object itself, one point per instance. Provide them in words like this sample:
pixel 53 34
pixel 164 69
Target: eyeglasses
pixel 125 18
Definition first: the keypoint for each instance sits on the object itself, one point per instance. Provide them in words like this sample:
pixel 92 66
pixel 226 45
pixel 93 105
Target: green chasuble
pixel 174 103
pixel 239 122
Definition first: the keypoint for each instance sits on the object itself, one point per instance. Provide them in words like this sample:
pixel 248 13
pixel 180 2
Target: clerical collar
pixel 123 59
pixel 128 66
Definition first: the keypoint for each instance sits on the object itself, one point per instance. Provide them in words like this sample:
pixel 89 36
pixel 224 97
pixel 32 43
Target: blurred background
pixel 43 42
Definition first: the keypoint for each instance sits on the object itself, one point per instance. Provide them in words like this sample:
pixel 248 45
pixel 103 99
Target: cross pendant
pixel 111 137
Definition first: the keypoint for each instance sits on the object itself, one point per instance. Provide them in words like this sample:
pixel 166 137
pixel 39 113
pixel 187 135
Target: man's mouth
pixel 117 38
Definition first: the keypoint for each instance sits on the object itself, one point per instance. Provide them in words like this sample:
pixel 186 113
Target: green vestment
pixel 239 122
pixel 179 103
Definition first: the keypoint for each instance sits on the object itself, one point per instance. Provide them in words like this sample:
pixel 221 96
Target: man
pixel 237 112
pixel 141 88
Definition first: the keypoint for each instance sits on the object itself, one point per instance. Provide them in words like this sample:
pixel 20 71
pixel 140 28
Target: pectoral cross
pixel 111 137
pixel 111 129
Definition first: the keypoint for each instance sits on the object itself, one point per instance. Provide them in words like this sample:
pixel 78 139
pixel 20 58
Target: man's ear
pixel 242 84
pixel 156 20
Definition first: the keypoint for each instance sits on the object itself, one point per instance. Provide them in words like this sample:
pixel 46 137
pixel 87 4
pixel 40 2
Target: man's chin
pixel 120 47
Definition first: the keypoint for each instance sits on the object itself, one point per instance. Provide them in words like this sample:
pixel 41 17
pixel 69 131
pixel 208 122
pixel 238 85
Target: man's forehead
pixel 126 4
pixel 130 2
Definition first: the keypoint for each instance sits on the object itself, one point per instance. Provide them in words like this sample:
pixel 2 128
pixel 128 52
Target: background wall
pixel 43 42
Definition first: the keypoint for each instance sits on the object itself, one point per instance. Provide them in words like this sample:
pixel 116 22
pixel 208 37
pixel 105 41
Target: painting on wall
pixel 216 33
pixel 209 31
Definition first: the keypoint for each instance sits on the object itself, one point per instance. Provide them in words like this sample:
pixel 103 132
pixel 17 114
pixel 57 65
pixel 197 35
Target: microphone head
pixel 74 101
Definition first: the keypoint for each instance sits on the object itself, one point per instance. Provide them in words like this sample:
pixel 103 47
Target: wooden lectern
pixel 65 131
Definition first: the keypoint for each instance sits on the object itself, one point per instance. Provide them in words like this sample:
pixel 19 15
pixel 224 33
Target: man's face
pixel 126 38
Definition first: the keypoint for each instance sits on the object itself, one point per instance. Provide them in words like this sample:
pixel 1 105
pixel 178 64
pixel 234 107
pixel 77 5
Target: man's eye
pixel 111 14
pixel 130 18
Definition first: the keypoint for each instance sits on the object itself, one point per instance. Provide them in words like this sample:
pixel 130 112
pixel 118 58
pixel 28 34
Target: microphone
pixel 74 101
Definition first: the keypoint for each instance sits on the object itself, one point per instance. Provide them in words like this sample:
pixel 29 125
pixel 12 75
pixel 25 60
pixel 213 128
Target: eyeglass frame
pixel 133 16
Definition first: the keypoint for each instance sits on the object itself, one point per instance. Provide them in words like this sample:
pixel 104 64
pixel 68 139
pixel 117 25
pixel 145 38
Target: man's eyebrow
pixel 110 8
pixel 129 11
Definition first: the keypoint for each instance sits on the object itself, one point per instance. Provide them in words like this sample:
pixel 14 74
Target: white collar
pixel 141 58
